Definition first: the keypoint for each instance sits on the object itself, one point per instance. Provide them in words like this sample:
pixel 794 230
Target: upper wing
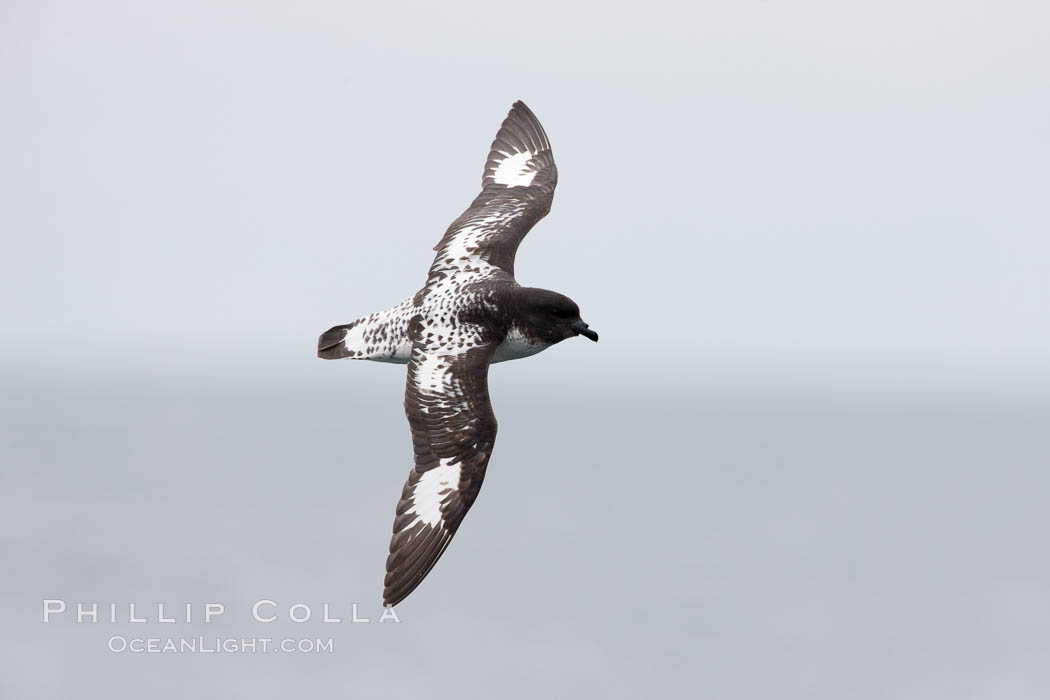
pixel 516 191
pixel 453 431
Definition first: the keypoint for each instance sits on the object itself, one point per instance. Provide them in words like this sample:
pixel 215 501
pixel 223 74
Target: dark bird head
pixel 553 317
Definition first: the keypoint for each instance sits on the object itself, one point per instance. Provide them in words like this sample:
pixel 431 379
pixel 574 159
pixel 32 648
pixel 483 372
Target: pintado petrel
pixel 470 313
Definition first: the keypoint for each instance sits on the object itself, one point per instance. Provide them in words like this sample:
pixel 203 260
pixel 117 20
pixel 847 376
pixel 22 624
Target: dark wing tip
pixel 525 119
pixel 413 553
pixel 520 152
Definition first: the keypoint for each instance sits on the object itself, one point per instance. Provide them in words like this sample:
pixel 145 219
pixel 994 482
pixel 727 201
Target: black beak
pixel 583 329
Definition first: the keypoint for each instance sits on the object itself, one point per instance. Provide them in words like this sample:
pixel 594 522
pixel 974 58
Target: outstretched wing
pixel 516 191
pixel 453 431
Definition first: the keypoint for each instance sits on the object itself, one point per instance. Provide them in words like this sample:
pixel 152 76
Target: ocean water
pixel 665 543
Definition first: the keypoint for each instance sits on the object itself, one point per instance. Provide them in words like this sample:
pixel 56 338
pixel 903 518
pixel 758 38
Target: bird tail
pixel 382 337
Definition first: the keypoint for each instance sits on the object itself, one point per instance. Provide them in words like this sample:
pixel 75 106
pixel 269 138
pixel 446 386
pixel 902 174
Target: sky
pixel 807 458
pixel 798 191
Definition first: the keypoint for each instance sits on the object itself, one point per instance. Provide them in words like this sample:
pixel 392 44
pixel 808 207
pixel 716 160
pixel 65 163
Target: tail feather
pixel 330 345
pixel 382 337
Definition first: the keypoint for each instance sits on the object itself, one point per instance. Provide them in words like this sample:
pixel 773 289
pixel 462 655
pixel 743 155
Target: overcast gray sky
pixel 779 189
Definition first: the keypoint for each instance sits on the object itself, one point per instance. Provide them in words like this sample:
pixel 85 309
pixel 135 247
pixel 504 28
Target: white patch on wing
pixel 459 254
pixel 431 374
pixel 511 170
pixel 465 241
pixel 430 492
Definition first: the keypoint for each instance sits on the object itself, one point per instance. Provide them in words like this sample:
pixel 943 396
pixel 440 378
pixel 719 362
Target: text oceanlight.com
pixel 218 645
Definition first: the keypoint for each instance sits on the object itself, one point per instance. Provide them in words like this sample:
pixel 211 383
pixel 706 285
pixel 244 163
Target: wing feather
pixel 517 188
pixel 453 431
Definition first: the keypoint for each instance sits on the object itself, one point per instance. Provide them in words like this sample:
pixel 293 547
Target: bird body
pixel 470 313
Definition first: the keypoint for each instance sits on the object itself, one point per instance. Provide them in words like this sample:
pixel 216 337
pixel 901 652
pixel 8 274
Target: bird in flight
pixel 470 313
